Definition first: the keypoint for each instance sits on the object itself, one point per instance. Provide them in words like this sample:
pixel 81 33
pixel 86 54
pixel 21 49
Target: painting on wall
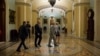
pixel 11 16
pixel 58 20
pixel 45 21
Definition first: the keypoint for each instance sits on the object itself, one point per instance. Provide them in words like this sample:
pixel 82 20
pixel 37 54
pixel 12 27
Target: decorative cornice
pixel 42 7
pixel 68 11
pixel 61 7
pixel 47 6
pixel 80 4
pixel 35 11
pixel 23 3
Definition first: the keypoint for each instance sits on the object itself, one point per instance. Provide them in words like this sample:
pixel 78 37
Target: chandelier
pixel 52 2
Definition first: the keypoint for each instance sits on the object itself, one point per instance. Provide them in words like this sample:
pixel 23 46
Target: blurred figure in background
pixel 52 34
pixel 28 28
pixel 57 28
pixel 38 34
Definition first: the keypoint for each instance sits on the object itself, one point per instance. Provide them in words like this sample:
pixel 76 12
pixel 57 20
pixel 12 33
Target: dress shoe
pixel 39 45
pixel 55 45
pixel 26 48
pixel 18 50
pixel 49 46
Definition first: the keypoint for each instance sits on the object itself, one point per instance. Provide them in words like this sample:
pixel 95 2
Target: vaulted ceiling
pixel 41 4
pixel 62 4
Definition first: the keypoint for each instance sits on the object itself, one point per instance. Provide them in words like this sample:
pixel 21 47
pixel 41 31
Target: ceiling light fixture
pixel 52 2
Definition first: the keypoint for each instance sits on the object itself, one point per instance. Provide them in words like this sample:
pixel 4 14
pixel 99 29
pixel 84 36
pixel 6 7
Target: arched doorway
pixel 2 20
pixel 55 14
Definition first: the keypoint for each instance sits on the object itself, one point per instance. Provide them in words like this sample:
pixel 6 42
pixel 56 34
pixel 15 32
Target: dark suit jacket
pixel 23 33
pixel 28 27
pixel 38 30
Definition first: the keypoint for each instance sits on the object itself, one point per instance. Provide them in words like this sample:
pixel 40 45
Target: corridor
pixel 69 46
pixel 78 21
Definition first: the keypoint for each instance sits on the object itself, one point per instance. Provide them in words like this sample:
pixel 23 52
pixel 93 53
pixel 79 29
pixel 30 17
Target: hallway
pixel 79 18
pixel 69 46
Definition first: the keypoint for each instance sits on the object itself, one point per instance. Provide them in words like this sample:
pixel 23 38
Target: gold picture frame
pixel 11 16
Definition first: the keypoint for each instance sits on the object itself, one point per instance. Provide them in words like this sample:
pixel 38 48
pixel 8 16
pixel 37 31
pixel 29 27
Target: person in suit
pixel 28 28
pixel 23 33
pixel 57 33
pixel 90 30
pixel 38 34
pixel 52 34
pixel 32 30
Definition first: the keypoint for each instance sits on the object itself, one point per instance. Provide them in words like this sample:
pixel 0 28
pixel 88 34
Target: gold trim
pixel 23 3
pixel 80 4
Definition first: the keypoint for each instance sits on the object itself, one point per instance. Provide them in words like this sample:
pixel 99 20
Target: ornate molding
pixel 80 4
pixel 35 11
pixel 23 3
pixel 68 11
pixel 43 7
pixel 60 7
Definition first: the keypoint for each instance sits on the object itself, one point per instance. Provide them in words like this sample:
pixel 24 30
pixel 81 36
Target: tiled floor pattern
pixel 68 46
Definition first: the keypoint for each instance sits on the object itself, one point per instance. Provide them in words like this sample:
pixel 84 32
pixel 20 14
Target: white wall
pixel 7 20
pixel 10 4
pixel 12 7
pixel 92 3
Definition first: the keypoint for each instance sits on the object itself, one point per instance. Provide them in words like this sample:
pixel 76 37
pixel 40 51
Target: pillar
pixel 23 13
pixel 97 20
pixel 80 17
pixel 69 21
pixel 35 15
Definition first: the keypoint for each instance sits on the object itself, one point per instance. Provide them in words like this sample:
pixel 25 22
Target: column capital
pixel 80 4
pixel 35 11
pixel 68 11
pixel 23 3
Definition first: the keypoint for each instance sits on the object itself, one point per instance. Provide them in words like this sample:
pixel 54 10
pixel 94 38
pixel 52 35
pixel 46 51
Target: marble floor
pixel 69 46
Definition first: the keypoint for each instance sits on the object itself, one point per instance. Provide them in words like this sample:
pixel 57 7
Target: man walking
pixel 52 34
pixel 38 34
pixel 23 35
pixel 28 28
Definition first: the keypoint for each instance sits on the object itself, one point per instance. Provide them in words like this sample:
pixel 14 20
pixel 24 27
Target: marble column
pixel 69 21
pixel 97 20
pixel 23 13
pixel 80 17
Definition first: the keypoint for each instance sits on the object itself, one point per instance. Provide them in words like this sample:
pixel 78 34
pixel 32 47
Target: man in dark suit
pixel 38 34
pixel 23 33
pixel 28 28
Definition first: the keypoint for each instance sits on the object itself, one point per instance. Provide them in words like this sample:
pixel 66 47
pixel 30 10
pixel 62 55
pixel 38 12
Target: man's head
pixel 24 23
pixel 27 22
pixel 38 22
pixel 51 17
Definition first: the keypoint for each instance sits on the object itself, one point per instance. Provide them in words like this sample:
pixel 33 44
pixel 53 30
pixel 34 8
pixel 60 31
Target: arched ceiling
pixel 55 12
pixel 41 4
pixel 62 4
